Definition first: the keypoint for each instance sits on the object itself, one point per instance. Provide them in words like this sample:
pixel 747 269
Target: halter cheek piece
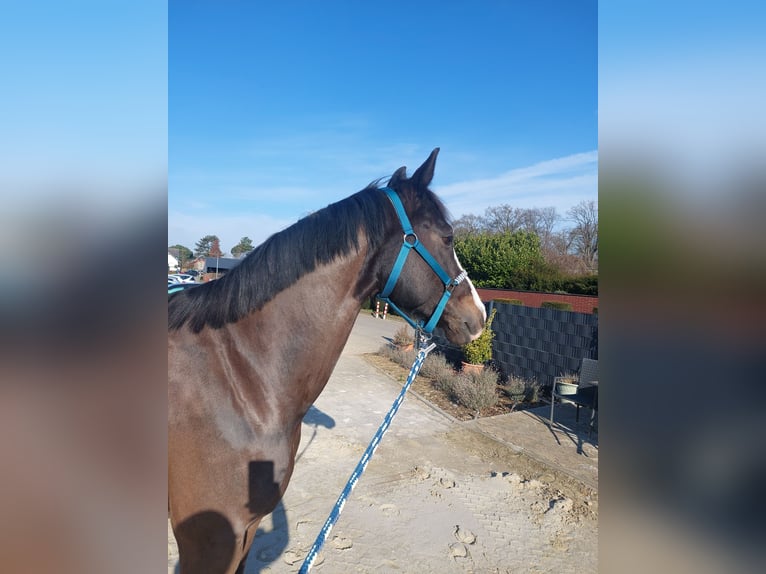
pixel 411 242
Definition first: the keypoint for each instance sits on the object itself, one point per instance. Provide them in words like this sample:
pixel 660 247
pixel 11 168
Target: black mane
pixel 282 259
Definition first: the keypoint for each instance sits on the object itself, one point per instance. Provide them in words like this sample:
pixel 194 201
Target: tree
pixel 468 225
pixel 204 245
pixel 584 234
pixel 541 221
pixel 244 246
pixel 184 254
pixel 558 254
pixel 503 218
pixel 215 248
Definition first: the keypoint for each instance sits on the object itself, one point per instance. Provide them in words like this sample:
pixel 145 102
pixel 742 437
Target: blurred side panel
pixel 83 398
pixel 682 176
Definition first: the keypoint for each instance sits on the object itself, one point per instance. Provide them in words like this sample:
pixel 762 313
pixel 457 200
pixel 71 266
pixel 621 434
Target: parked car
pixel 181 278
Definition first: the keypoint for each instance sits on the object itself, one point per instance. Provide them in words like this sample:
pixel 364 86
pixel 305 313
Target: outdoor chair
pixel 586 395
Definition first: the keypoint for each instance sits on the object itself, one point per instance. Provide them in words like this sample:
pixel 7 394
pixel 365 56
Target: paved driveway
pixel 438 496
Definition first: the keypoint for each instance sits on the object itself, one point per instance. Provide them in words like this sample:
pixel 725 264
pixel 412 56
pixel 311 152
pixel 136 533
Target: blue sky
pixel 277 109
pixel 84 97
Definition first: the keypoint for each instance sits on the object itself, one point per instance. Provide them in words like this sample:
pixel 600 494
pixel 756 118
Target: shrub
pixel 510 301
pixel 581 284
pixel 560 305
pixel 387 351
pixel 405 358
pixel 476 391
pixel 479 351
pixel 445 382
pixel 521 390
pixel 435 366
pixel 397 355
pixel 595 310
pixel 514 388
pixel 404 336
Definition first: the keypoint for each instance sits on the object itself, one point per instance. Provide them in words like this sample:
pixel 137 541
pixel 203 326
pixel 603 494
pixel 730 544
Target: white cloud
pixel 560 183
pixel 258 211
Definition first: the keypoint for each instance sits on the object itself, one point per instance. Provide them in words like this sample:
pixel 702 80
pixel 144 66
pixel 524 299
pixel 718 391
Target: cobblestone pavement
pixel 501 495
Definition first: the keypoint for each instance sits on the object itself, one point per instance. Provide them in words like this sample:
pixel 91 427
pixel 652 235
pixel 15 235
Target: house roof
pixel 222 262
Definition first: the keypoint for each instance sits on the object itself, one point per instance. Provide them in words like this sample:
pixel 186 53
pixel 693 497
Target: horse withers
pixel 250 352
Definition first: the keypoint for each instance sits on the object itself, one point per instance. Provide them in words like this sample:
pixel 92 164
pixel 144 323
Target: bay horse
pixel 249 353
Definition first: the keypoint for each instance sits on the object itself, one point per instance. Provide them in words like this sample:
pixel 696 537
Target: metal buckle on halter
pixel 422 338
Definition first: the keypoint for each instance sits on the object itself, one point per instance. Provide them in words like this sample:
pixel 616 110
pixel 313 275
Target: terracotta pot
pixel 472 368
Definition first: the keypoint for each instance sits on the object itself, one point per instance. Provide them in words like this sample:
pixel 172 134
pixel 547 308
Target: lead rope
pixel 423 349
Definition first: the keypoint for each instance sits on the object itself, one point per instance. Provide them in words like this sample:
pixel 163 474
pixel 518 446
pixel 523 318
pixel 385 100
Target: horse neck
pixel 305 327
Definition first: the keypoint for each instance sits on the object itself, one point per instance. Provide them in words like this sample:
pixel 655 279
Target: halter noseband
pixel 411 242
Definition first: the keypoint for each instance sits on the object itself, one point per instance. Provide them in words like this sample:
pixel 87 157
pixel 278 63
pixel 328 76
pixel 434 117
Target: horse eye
pixel 447 240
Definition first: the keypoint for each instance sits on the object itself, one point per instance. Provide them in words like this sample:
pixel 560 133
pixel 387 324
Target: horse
pixel 249 353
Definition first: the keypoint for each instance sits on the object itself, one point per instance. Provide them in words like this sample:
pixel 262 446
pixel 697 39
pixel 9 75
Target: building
pixel 220 265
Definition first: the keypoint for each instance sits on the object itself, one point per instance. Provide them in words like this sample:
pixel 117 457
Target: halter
pixel 411 242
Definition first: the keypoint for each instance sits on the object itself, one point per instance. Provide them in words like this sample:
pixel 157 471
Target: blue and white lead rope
pixel 362 464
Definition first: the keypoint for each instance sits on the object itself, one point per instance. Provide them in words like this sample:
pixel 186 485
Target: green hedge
pixel 510 301
pixel 582 285
pixel 560 305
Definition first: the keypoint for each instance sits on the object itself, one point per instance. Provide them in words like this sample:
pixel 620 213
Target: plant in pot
pixel 566 384
pixel 479 351
pixel 404 338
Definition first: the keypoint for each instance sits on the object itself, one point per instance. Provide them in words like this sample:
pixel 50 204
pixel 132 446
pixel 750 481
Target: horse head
pixel 427 284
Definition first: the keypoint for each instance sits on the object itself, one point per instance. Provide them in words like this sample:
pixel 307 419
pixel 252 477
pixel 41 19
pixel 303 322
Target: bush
pixel 476 391
pixel 405 358
pixel 386 351
pixel 398 356
pixel 521 390
pixel 509 301
pixel 581 284
pixel 560 305
pixel 404 336
pixel 479 351
pixel 435 365
pixel 445 382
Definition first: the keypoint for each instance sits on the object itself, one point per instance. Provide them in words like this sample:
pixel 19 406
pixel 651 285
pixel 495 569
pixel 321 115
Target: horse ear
pixel 399 176
pixel 425 173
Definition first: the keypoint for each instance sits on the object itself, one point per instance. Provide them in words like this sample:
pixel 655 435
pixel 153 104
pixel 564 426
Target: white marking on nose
pixel 476 299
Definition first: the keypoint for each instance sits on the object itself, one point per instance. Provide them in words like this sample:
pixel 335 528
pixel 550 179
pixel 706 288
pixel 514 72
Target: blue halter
pixel 411 242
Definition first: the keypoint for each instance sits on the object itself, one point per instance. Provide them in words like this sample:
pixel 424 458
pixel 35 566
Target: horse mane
pixel 282 259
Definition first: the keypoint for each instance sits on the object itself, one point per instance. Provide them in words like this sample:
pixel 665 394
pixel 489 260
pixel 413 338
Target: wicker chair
pixel 586 395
